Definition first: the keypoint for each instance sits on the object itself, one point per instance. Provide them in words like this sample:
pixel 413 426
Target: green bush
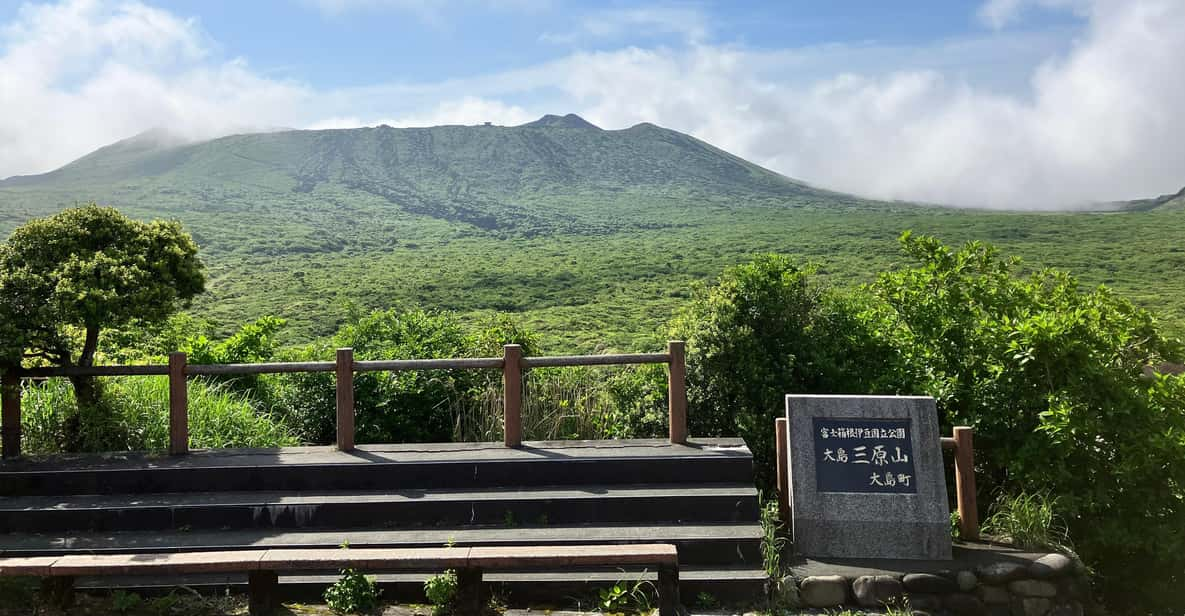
pixel 353 593
pixel 441 591
pixel 398 407
pixel 1050 377
pixel 764 330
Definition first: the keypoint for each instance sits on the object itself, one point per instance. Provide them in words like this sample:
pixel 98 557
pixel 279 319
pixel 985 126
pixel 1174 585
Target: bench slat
pixel 573 556
pixel 233 561
pixel 33 565
pixel 366 558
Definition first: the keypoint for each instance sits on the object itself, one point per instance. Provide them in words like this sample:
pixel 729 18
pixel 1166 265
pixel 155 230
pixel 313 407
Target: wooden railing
pixel 962 444
pixel 512 363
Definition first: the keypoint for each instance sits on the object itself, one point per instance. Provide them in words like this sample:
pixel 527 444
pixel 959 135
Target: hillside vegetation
pixel 593 236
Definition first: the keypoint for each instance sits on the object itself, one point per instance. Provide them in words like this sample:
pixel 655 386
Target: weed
pixel 706 601
pixel 441 590
pixel 772 541
pixel 1028 520
pixel 955 533
pixel 354 593
pixel 627 597
pixel 123 602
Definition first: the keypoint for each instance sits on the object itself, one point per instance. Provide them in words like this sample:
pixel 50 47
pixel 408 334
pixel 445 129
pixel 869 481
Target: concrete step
pixel 565 588
pixel 386 467
pixel 703 544
pixel 542 506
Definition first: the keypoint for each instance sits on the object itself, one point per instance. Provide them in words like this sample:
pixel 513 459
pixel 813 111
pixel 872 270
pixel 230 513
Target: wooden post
pixel 512 395
pixel 471 596
pixel 781 429
pixel 345 399
pixel 965 483
pixel 10 414
pixel 677 392
pixel 669 603
pixel 262 593
pixel 178 405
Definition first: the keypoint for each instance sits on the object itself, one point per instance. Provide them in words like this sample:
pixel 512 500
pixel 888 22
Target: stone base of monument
pixel 983 579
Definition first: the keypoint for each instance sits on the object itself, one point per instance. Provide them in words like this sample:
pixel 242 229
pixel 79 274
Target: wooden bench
pixel 262 567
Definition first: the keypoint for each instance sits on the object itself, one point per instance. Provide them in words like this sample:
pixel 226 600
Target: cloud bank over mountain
pixel 1095 117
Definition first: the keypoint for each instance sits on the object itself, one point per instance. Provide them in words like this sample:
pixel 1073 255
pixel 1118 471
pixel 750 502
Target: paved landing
pixel 387 454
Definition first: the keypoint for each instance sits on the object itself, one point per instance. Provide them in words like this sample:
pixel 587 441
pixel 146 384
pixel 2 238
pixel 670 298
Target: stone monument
pixel 866 477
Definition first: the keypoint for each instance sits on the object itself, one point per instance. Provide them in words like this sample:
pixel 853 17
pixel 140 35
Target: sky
pixel 984 103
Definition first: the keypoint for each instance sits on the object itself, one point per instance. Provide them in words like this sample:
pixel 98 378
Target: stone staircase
pixel 699 497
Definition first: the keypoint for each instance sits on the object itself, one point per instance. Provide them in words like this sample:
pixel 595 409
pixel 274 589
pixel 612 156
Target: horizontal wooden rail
pixel 268 368
pixel 398 365
pixel 595 360
pixel 512 364
pixel 153 370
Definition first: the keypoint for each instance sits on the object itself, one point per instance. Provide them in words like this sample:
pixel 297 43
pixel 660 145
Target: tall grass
pixel 134 416
pixel 570 403
pixel 1028 520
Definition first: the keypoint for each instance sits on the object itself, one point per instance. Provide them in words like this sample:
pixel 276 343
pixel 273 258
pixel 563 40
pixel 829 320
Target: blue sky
pixel 344 43
pixel 997 103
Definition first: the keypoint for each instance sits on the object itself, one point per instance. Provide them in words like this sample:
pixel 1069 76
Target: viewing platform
pixel 698 496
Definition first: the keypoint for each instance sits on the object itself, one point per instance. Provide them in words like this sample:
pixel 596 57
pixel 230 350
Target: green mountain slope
pixel 552 175
pixel 593 236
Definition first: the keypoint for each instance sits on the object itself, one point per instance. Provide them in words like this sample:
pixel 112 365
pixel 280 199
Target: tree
pixel 67 277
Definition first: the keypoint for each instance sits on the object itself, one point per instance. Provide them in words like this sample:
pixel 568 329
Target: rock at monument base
pixel 823 590
pixel 786 592
pixel 928 583
pixel 1031 606
pixel 966 581
pixel 919 601
pixel 1051 565
pixel 998 573
pixel 1032 588
pixel 994 595
pixel 965 605
pixel 876 590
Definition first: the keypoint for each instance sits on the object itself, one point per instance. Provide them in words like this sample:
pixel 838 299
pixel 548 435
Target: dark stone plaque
pixel 864 455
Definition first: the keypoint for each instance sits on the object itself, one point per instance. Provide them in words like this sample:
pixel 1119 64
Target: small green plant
pixel 354 593
pixel 1028 520
pixel 123 602
pixel 164 605
pixel 706 601
pixel 955 533
pixel 627 597
pixel 441 590
pixel 772 541
pixel 508 519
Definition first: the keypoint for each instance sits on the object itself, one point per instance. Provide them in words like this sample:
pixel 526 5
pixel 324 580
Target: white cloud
pixel 81 74
pixel 466 111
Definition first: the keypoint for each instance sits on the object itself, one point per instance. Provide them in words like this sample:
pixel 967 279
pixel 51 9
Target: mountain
pixel 556 174
pixel 1163 203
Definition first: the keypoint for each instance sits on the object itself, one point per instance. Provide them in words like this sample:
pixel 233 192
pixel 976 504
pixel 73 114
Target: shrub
pixel 353 593
pixel 764 330
pixel 441 591
pixel 398 407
